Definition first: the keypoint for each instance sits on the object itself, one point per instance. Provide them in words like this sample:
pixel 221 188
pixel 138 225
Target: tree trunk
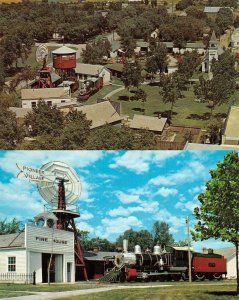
pixel 237 266
pixel 171 112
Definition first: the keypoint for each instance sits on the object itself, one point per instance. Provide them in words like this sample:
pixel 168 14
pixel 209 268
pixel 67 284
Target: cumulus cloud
pixel 127 198
pixel 165 192
pixel 139 161
pixel 116 226
pixel 188 174
pixel 76 159
pixel 146 207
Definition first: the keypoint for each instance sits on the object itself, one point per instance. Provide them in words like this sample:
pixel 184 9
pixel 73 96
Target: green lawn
pixel 101 93
pixel 187 111
pixel 7 288
pixel 185 292
pixel 8 294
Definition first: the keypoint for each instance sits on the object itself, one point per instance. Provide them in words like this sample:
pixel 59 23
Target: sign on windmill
pixel 42 55
pixel 32 174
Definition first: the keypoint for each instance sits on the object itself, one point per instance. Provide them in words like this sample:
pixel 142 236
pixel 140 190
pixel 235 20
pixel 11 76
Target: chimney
pixel 125 246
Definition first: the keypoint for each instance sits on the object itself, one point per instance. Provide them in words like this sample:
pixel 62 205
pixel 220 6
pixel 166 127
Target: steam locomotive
pixel 171 263
pixel 90 86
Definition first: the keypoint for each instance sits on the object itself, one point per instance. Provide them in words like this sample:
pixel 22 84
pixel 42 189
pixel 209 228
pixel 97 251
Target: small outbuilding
pixel 154 124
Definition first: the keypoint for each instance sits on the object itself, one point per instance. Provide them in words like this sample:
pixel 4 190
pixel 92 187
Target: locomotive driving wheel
pixel 200 276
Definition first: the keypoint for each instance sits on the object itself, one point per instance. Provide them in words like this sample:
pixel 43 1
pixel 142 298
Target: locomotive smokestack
pixel 125 246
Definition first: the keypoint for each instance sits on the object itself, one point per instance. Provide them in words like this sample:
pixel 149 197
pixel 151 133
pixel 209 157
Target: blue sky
pixel 120 189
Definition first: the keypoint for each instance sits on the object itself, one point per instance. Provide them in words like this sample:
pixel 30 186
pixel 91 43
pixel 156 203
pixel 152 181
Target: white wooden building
pixel 230 254
pixel 30 251
pixel 52 96
pixel 88 71
pixel 235 38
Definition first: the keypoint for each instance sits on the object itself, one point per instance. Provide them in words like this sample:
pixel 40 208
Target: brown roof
pixel 12 240
pixel 47 93
pixel 146 122
pixel 88 69
pixel 100 113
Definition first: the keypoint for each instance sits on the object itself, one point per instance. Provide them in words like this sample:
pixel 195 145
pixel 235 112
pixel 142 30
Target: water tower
pixel 64 62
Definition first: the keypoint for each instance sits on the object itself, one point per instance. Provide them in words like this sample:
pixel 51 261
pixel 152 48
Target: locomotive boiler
pixel 167 263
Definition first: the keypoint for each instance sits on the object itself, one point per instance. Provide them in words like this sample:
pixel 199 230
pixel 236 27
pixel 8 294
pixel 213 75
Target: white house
pixel 52 96
pixel 88 71
pixel 230 254
pixel 235 38
pixel 29 251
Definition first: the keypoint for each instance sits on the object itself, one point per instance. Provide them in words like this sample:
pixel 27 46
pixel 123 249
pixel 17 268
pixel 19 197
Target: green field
pixel 186 112
pixel 185 292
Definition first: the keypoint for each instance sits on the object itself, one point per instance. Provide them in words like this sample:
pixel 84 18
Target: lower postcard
pixel 118 216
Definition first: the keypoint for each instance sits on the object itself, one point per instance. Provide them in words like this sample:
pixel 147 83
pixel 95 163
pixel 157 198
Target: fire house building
pixel 31 250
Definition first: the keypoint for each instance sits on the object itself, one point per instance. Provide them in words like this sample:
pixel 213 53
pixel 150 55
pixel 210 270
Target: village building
pixel 154 124
pixel 26 252
pixel 102 113
pixel 230 255
pixel 212 10
pixel 235 38
pixel 231 129
pixel 52 96
pixel 213 52
pixel 88 72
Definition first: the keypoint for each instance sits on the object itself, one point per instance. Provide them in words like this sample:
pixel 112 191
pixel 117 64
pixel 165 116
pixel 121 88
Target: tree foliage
pixel 10 133
pixel 12 226
pixel 161 234
pixel 218 214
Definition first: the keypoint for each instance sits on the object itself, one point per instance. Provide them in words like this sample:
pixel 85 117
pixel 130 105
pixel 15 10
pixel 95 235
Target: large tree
pixel 143 238
pixel 10 132
pixel 161 234
pixel 45 120
pixel 169 91
pixel 218 213
pixel 131 75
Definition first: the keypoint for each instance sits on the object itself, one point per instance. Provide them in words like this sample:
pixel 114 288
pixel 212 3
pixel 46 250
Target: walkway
pixel 70 294
pixel 110 94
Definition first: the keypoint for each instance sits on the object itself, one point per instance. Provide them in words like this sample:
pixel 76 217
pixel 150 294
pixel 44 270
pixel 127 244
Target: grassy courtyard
pixel 186 112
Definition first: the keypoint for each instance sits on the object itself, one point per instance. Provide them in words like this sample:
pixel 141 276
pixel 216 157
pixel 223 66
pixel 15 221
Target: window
pixel 34 104
pixel 49 103
pixel 12 264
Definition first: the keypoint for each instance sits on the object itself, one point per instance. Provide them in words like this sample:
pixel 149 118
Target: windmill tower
pixel 212 50
pixel 59 185
pixel 44 74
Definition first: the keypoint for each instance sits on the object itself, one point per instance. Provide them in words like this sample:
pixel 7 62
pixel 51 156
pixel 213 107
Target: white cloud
pixel 193 171
pixel 76 159
pixel 20 197
pixel 86 215
pixel 85 226
pixel 146 207
pixel 136 161
pixel 139 161
pixel 116 226
pixel 184 206
pixel 127 198
pixel 165 192
pixel 86 193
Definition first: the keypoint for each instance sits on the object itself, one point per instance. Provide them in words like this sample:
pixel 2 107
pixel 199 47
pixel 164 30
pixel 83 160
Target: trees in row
pixel 51 129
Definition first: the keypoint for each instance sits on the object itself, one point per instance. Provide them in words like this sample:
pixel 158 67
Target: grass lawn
pixel 101 93
pixel 185 292
pixel 7 294
pixel 7 288
pixel 186 112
